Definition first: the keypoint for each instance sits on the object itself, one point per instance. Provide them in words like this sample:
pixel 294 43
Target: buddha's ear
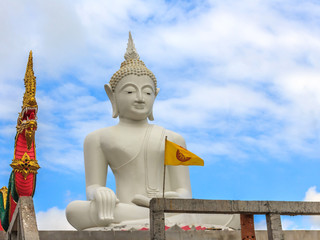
pixel 110 94
pixel 150 117
pixel 157 91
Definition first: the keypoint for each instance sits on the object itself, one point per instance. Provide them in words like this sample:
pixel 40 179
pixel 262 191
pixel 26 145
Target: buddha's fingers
pixel 100 202
pixel 110 205
pixel 105 203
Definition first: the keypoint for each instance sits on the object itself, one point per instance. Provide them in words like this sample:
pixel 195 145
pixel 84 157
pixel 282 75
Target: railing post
pixel 157 220
pixel 274 226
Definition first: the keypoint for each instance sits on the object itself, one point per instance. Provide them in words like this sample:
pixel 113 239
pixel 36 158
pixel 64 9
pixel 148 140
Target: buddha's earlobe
pixel 150 117
pixel 110 94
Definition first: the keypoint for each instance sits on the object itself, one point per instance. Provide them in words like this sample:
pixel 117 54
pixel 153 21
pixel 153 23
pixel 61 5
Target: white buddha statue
pixel 134 150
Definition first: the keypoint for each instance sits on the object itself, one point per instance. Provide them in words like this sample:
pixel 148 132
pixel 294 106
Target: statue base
pixel 183 221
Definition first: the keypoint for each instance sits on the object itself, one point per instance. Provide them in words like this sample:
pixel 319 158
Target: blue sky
pixel 239 80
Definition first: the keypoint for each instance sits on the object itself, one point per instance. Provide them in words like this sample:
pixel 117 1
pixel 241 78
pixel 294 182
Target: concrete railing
pixel 23 225
pixel 272 210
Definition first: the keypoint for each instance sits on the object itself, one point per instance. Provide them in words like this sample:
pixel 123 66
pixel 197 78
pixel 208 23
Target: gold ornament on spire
pixel 131 65
pixel 27 120
pixel 25 165
pixel 29 99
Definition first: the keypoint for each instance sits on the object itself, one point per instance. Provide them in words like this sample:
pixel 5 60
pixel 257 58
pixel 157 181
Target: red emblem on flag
pixel 181 157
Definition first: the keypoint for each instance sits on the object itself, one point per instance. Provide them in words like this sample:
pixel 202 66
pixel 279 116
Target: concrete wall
pixel 171 235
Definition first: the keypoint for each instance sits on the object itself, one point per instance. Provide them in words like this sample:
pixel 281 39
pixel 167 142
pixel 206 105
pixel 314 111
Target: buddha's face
pixel 134 97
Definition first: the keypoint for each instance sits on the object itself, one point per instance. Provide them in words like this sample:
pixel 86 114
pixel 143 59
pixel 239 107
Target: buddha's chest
pixel 134 147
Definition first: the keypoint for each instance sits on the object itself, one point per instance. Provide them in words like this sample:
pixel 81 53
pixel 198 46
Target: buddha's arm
pixel 96 167
pixel 179 175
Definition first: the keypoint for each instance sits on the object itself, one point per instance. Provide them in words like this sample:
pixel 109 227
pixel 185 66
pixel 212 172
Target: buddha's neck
pixel 129 122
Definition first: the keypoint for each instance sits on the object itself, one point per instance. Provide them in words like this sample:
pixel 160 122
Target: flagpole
pixel 164 167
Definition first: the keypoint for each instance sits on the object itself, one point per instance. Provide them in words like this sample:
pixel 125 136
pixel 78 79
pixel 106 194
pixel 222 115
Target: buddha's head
pixel 133 88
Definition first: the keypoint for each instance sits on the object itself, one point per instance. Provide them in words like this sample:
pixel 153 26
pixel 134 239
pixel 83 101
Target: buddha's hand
pixel 141 200
pixel 105 201
pixel 179 193
pixel 144 201
pixel 171 194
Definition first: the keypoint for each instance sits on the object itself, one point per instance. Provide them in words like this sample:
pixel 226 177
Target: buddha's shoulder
pixel 172 136
pixel 99 133
pixel 175 137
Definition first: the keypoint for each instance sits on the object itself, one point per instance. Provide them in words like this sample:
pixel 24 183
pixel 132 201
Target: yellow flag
pixel 177 155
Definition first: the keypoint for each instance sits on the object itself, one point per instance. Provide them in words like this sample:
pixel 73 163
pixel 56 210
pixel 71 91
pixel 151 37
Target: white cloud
pixel 200 104
pixel 53 219
pixel 312 195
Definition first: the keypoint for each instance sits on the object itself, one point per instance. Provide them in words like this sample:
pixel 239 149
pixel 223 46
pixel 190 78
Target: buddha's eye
pixel 129 92
pixel 147 91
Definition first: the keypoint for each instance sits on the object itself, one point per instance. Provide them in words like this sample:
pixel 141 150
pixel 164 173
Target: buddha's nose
pixel 140 98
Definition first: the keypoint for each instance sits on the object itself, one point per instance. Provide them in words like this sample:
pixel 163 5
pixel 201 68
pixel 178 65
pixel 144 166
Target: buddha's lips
pixel 139 105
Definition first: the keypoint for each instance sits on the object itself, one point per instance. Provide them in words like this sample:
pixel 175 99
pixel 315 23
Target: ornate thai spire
pixel 29 99
pixel 131 52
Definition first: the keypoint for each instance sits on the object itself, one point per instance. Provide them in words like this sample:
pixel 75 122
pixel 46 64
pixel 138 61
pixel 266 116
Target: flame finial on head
pixel 131 52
